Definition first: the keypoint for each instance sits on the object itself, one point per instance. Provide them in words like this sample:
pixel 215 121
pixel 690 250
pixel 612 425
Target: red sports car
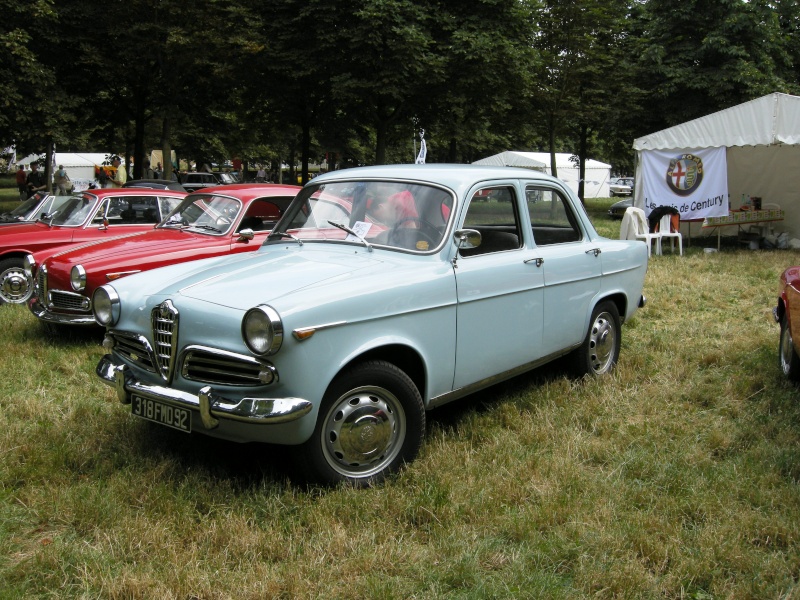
pixel 787 313
pixel 213 222
pixel 89 216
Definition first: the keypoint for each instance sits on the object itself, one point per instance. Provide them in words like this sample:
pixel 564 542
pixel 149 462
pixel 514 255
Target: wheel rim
pixel 14 286
pixel 787 348
pixel 363 432
pixel 602 343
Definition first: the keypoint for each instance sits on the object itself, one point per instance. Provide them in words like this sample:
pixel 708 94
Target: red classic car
pixel 787 313
pixel 89 216
pixel 213 222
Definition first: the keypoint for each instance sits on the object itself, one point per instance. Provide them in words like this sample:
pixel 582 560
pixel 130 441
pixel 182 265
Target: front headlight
pixel 262 330
pixel 105 304
pixel 28 264
pixel 77 278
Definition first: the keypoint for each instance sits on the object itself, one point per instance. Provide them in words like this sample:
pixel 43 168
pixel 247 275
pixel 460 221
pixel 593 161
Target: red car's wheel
pixel 789 361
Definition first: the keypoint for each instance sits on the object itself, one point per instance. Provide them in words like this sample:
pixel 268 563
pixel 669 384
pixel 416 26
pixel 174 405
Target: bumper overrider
pixel 211 405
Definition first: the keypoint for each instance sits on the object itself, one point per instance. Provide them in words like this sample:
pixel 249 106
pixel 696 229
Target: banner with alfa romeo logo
pixel 695 182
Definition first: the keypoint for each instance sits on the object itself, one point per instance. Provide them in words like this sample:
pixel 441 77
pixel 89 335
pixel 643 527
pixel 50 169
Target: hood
pixel 243 281
pixel 153 242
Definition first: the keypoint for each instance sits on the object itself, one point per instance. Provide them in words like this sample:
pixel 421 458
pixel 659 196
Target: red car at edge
pixel 89 216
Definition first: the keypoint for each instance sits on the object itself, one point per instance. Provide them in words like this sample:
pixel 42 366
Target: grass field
pixel 675 477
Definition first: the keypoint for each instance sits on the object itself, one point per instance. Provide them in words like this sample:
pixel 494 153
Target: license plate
pixel 164 414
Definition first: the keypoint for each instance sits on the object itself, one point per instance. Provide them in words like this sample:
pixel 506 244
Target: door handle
pixel 537 261
pixel 594 251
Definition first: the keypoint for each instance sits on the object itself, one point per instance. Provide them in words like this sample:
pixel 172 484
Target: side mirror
pixel 246 234
pixel 467 239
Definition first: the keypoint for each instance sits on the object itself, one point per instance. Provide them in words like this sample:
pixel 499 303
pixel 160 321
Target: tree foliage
pixel 284 80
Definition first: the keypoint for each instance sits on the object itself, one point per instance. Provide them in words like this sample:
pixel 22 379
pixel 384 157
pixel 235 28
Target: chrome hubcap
pixel 786 349
pixel 14 286
pixel 602 343
pixel 363 431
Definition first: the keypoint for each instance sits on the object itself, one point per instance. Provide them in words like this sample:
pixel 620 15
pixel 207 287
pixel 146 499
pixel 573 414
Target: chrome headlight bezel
pixel 106 305
pixel 262 330
pixel 28 265
pixel 77 278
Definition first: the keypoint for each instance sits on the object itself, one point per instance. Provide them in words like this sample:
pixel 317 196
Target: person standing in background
pixel 22 183
pixel 61 181
pixel 120 176
pixel 35 181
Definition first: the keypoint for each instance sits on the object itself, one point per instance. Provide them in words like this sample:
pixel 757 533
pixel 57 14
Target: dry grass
pixel 676 477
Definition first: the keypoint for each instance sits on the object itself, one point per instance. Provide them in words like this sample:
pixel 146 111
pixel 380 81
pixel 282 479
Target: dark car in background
pixel 197 181
pixel 155 184
pixel 617 210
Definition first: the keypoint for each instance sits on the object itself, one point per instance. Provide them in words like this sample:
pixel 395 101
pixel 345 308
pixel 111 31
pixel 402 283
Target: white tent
pixel 79 166
pixel 597 173
pixel 762 141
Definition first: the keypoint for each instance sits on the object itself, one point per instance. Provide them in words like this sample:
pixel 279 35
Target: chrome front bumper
pixel 43 313
pixel 210 404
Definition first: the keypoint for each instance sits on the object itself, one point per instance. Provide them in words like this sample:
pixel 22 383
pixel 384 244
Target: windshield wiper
pixel 283 234
pixel 351 232
pixel 206 227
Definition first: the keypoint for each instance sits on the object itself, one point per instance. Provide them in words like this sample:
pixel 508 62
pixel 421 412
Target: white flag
pixel 423 151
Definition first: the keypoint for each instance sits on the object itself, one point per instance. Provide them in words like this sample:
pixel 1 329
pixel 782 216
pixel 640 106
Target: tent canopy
pixel 513 159
pixel 68 159
pixel 771 119
pixel 762 141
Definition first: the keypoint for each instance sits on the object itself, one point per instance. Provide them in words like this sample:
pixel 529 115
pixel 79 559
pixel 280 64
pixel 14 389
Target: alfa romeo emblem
pixel 684 174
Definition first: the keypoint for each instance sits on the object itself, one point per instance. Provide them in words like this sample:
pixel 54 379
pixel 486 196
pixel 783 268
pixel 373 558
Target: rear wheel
pixel 789 361
pixel 600 349
pixel 371 422
pixel 15 287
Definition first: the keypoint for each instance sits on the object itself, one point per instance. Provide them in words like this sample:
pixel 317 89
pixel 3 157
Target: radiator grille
pixel 215 366
pixel 135 349
pixel 69 301
pixel 165 336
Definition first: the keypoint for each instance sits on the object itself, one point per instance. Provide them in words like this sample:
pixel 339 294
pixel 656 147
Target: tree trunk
pixel 166 148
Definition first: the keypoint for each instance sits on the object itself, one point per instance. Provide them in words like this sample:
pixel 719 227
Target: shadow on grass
pixel 248 466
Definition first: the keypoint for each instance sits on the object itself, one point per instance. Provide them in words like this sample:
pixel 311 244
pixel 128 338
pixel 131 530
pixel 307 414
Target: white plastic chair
pixel 666 230
pixel 634 227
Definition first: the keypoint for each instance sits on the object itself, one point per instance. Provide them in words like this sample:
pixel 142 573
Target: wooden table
pixel 742 217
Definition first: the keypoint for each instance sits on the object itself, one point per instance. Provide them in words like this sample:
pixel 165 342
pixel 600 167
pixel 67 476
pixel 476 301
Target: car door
pixel 500 294
pixel 570 264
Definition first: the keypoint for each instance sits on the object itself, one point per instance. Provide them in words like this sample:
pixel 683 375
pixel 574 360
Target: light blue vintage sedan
pixel 382 293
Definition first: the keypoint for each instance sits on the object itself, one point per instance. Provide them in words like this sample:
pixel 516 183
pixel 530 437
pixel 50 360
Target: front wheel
pixel 371 421
pixel 15 286
pixel 789 361
pixel 600 349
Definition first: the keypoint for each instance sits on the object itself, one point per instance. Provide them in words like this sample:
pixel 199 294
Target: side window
pixel 493 212
pixel 551 217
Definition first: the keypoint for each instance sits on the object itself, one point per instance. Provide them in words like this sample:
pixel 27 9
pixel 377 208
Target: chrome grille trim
pixel 164 320
pixel 134 348
pixel 70 301
pixel 41 283
pixel 211 365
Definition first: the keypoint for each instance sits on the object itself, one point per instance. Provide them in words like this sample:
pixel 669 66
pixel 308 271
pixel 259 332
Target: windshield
pixel 25 210
pixel 74 211
pixel 393 214
pixel 204 213
pixel 227 178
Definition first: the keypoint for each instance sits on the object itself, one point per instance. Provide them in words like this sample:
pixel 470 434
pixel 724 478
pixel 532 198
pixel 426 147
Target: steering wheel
pixel 402 236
